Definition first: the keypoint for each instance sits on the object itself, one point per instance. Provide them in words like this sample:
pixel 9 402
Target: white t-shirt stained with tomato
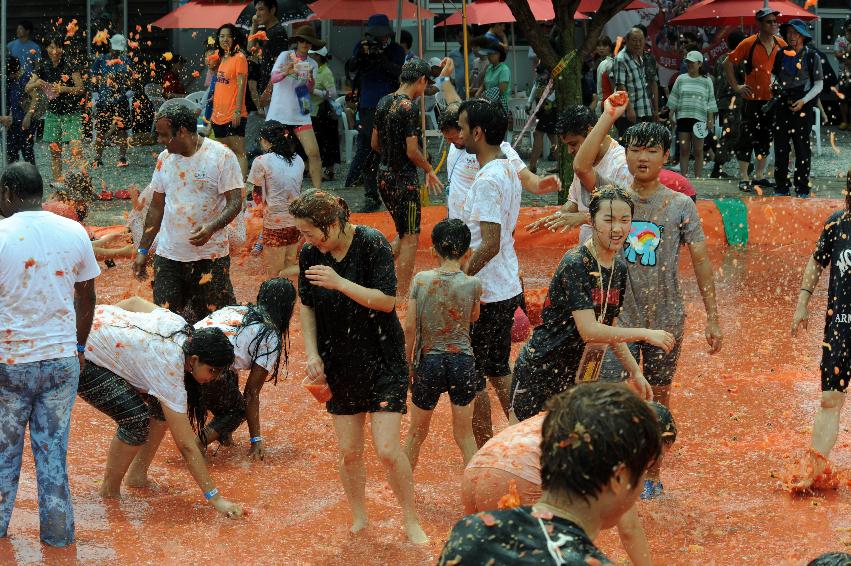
pixel 194 189
pixel 144 348
pixel 42 256
pixel 495 197
pixel 246 351
pixel 462 168
pixel 280 183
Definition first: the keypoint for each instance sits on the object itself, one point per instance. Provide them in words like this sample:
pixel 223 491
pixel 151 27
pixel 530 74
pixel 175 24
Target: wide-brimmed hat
pixel 799 26
pixel 378 25
pixel 308 34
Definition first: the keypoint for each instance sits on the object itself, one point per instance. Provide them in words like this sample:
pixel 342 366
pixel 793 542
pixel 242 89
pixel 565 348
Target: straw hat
pixel 308 34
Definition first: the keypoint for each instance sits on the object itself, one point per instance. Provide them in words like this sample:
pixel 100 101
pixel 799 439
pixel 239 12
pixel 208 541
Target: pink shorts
pixel 482 488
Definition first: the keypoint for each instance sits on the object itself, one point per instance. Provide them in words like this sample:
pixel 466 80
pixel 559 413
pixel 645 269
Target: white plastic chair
pixel 197 97
pixel 348 136
pixel 519 116
pixel 817 129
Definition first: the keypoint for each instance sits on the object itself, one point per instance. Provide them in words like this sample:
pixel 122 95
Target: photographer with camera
pixel 378 62
pixel 798 80
pixel 756 54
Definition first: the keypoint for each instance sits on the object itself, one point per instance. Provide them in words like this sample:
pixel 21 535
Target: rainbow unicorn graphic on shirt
pixel 644 238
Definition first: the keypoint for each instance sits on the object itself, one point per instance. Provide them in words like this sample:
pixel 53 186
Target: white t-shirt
pixel 42 256
pixel 613 168
pixel 281 184
pixel 143 348
pixel 229 320
pixel 284 104
pixel 495 197
pixel 194 189
pixel 462 168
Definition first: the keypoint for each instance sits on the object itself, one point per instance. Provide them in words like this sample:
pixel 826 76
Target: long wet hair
pixel 322 208
pixel 609 193
pixel 213 349
pixel 280 139
pixel 274 309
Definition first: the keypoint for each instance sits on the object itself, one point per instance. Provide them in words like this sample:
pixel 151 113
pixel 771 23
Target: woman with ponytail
pixel 353 341
pixel 144 369
pixel 259 334
pixel 278 173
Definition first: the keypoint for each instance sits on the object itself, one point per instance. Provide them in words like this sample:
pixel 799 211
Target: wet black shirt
pixel 515 536
pixel 254 74
pixel 397 118
pixel 275 43
pixel 352 339
pixel 575 286
pixel 64 103
pixel 834 249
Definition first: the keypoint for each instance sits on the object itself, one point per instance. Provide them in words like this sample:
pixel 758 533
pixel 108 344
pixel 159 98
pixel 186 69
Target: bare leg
pixel 482 424
pixel 137 474
pixel 743 170
pixel 237 145
pixel 417 433
pixel 117 461
pixel 311 148
pixel 685 152
pixel 502 386
pixel 697 146
pixel 537 150
pixel 56 161
pixel 405 262
pixel 290 268
pixel 826 424
pixel 274 259
pixel 661 394
pixel 760 167
pixel 385 437
pixel 349 430
pixel 462 430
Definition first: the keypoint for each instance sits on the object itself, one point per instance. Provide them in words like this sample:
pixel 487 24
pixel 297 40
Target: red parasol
pixel 199 15
pixel 497 12
pixel 737 12
pixel 363 9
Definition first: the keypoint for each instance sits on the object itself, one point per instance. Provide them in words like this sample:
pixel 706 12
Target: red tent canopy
pixel 737 12
pixel 591 6
pixel 495 12
pixel 201 15
pixel 363 9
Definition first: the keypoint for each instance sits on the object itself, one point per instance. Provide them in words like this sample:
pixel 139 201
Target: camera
pixel 372 48
pixel 777 95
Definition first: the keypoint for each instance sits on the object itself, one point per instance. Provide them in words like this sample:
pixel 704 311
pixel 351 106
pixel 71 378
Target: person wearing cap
pixel 692 102
pixel 799 79
pixel 396 137
pixel 377 63
pixel 293 71
pixel 630 74
pixel 112 76
pixel 756 54
pixel 323 114
pixel 496 84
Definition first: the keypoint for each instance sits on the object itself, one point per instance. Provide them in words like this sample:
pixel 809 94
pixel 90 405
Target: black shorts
pixel 371 391
pixel 533 383
pixel 115 113
pixel 658 367
pixel 227 130
pixel 224 400
pixel 491 337
pixel 441 372
pixel 401 195
pixel 835 359
pixel 686 125
pixel 178 287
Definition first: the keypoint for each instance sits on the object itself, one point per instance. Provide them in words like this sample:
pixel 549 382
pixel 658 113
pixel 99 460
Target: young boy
pixel 443 304
pixel 597 441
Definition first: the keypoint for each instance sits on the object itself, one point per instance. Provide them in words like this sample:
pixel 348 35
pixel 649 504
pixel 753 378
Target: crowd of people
pixel 586 398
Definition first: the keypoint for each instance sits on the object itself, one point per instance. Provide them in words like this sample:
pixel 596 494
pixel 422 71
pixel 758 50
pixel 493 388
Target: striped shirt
pixel 692 97
pixel 630 73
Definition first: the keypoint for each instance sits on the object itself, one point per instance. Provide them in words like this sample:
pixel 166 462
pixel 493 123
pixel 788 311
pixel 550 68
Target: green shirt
pixel 324 80
pixel 496 75
pixel 692 97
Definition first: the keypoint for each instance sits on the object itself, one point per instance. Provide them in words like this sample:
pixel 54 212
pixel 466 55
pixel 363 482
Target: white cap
pixel 435 62
pixel 118 42
pixel 323 51
pixel 694 56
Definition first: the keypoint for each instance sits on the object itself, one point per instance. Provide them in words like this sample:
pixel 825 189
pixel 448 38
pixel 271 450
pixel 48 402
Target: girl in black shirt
pixel 353 340
pixel 833 249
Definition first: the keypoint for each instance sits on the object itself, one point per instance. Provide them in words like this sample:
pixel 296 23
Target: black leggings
pixel 110 394
pixel 224 400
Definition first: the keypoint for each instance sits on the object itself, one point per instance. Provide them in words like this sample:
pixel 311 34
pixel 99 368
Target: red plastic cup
pixel 318 388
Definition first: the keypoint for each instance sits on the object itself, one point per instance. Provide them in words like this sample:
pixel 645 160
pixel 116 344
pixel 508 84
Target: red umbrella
pixel 201 16
pixel 737 12
pixel 497 12
pixel 591 6
pixel 363 9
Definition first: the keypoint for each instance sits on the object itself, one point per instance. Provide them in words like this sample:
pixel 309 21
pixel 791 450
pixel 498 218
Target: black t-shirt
pixel 65 103
pixel 575 286
pixel 834 249
pixel 516 536
pixel 275 43
pixel 352 339
pixel 397 118
pixel 254 72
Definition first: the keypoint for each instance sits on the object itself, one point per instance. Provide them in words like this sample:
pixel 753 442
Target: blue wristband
pixel 440 82
pixel 81 349
pixel 143 251
pixel 211 494
pixel 256 439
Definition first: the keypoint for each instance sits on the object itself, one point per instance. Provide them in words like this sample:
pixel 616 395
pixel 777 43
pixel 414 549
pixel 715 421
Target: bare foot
pixel 415 533
pixel 359 524
pixel 141 481
pixel 109 493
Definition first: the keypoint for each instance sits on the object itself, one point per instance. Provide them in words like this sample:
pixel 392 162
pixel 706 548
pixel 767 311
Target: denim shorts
pixel 441 372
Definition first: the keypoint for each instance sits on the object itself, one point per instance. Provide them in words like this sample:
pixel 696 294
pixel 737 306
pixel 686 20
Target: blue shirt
pixel 16 93
pixel 376 81
pixel 22 50
pixel 113 81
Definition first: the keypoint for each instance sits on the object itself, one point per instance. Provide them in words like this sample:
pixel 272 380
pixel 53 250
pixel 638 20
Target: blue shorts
pixel 441 372
pixel 658 367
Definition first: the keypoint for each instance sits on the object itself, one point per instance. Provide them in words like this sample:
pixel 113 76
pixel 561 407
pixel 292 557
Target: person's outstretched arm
pixel 256 379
